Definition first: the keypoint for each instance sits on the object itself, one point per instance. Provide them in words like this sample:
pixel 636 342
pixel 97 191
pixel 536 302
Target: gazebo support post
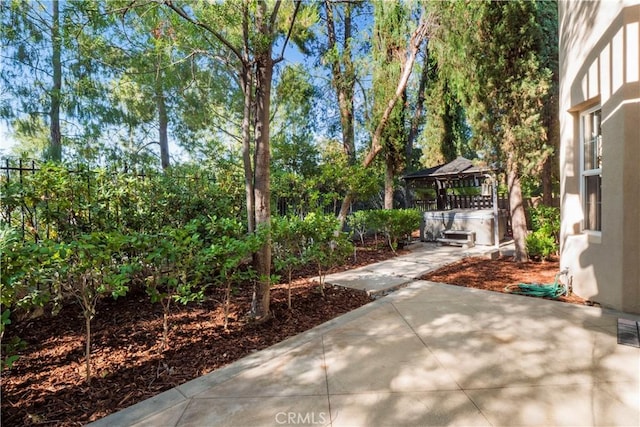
pixel 496 212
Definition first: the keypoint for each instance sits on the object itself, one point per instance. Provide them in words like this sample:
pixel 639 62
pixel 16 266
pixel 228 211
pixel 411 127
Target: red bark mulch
pixel 494 275
pixel 46 385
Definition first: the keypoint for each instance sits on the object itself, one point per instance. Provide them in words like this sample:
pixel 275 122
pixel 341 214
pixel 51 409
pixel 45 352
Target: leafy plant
pixel 229 255
pixel 323 245
pixel 170 258
pixel 543 241
pixel 358 222
pixel 92 267
pixel 396 224
pixel 8 349
pixel 287 246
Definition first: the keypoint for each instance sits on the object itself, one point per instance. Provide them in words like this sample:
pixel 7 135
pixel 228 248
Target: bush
pixel 396 224
pixel 544 241
pixel 323 245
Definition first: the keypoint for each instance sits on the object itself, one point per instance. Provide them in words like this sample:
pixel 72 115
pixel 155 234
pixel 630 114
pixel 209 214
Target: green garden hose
pixel 553 290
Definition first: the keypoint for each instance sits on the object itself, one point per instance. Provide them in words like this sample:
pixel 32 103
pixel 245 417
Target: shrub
pixel 396 224
pixel 358 222
pixel 287 247
pixel 544 241
pixel 324 246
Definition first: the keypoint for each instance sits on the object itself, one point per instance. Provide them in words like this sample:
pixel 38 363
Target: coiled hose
pixel 553 290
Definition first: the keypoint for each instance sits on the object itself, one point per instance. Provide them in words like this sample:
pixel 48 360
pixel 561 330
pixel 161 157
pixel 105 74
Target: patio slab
pixel 427 354
pixel 367 281
pixel 385 276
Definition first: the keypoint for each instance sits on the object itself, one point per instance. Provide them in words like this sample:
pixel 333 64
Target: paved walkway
pixel 429 354
pixel 380 278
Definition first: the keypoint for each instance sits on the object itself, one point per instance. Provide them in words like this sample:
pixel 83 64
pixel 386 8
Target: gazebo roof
pixel 458 168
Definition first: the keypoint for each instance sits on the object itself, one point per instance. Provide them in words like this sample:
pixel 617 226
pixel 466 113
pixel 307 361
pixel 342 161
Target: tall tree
pixel 48 71
pixel 339 54
pixel 389 38
pixel 245 33
pixel 154 70
pixel 493 54
pixel 548 18
pixel 410 50
pixel 32 40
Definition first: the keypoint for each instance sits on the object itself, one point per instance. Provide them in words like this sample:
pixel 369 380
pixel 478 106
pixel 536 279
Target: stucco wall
pixel 600 65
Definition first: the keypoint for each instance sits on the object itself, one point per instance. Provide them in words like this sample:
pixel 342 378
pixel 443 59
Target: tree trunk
pixel 518 218
pixel 246 149
pixel 264 71
pixel 343 80
pixel 388 182
pixel 163 123
pixel 55 144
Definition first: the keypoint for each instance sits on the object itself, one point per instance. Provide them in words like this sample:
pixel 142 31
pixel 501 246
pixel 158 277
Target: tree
pixel 494 54
pixel 49 73
pixel 390 29
pixel 447 132
pixel 32 41
pixel 338 53
pixel 411 49
pixel 249 53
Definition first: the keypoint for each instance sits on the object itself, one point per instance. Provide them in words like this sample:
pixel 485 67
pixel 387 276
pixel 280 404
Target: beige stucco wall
pixel 600 65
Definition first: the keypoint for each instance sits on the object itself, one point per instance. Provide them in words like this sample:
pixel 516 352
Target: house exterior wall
pixel 599 57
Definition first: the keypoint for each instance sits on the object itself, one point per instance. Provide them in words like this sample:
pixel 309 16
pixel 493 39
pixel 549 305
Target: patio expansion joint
pixel 459 387
pixel 325 368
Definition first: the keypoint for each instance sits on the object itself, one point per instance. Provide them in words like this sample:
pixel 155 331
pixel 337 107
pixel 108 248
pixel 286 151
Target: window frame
pixel 585 173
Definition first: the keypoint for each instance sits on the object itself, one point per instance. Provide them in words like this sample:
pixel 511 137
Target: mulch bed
pixel 494 275
pixel 46 385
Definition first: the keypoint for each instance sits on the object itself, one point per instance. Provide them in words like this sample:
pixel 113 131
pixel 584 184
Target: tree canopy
pixel 303 105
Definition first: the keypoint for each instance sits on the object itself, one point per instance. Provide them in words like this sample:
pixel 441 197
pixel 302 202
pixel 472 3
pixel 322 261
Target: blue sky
pixel 6 142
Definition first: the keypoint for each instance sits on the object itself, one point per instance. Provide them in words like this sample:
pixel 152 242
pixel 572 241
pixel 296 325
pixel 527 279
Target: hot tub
pixel 481 221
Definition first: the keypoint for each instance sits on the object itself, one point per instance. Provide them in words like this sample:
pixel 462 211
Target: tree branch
pixel 198 23
pixel 286 40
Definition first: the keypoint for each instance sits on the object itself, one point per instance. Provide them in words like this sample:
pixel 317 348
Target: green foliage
pixel 93 265
pixel 396 224
pixel 230 254
pixel 324 246
pixel 58 203
pixel 358 222
pixel 543 241
pixel 497 58
pixel 545 218
pixel 8 238
pixel 287 247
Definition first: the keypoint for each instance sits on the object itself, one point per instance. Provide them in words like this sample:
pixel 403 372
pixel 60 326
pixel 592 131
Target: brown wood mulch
pixel 46 385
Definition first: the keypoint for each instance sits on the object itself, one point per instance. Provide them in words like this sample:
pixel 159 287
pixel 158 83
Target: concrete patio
pixel 428 354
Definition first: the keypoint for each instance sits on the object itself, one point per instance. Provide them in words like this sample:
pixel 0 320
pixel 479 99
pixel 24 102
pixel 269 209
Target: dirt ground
pixel 46 385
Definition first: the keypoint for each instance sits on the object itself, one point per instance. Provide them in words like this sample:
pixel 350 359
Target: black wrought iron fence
pixel 55 202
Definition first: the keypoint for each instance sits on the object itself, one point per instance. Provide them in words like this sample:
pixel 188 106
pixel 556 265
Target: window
pixel 591 132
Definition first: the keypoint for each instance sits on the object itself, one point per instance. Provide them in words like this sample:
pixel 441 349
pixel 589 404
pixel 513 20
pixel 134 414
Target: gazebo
pixel 460 203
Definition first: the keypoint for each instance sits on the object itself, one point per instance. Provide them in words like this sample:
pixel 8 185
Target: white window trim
pixel 595 236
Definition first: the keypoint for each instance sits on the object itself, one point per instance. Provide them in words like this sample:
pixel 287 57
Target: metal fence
pixel 89 200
